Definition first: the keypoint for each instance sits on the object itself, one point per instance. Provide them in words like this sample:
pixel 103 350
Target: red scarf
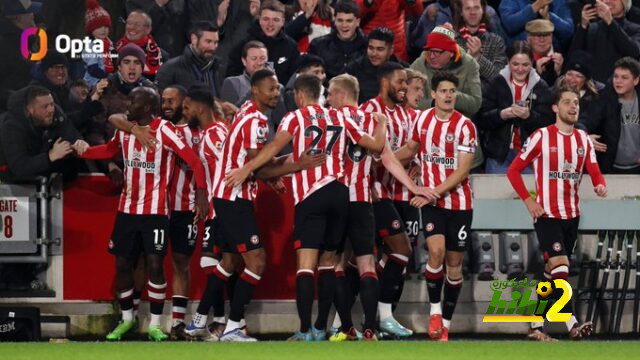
pixel 150 47
pixel 109 50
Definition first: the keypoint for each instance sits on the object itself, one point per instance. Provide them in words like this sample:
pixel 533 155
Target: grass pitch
pixel 387 350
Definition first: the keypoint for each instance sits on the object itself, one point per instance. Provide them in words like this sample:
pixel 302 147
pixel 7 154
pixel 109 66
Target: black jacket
pixel 496 133
pixel 169 23
pixel 607 44
pixel 283 53
pixel 606 122
pixel 367 76
pixel 24 148
pixel 14 69
pixel 337 54
pixel 182 70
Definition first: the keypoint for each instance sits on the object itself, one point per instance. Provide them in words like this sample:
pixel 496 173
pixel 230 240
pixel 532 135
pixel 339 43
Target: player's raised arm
pixel 103 152
pixel 379 139
pixel 408 152
pixel 142 133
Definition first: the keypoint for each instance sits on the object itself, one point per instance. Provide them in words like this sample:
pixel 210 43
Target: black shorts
pixel 410 216
pixel 557 237
pixel 212 239
pixel 455 225
pixel 388 220
pixel 133 234
pixel 238 225
pixel 321 218
pixel 182 232
pixel 360 228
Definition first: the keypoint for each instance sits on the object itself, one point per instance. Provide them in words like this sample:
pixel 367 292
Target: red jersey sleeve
pixel 530 151
pixel 289 124
pixel 106 151
pixel 171 141
pixel 467 141
pixel 255 133
pixel 592 165
pixel 354 132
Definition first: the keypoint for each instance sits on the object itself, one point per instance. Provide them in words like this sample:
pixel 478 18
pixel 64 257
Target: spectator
pixel 608 38
pixel 198 63
pixel 311 19
pixel 138 31
pixel 169 19
pixel 283 50
pixel 97 26
pixel 577 75
pixel 35 136
pixel 78 93
pixel 365 68
pixel 476 39
pixel 236 88
pixel 443 53
pixel 441 12
pixel 548 63
pixel 615 127
pixel 233 18
pixel 53 73
pixel 518 103
pixel 307 64
pixel 515 14
pixel 15 69
pixel 345 43
pixel 390 14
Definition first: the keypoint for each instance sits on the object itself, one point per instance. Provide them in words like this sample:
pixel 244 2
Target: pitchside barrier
pixel 69 229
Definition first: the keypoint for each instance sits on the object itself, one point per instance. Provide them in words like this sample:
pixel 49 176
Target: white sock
pixel 199 320
pixel 385 310
pixel 220 320
pixel 155 320
pixel 436 309
pixel 336 322
pixel 176 322
pixel 127 315
pixel 446 323
pixel 242 323
pixel 232 325
pixel 572 321
pixel 535 325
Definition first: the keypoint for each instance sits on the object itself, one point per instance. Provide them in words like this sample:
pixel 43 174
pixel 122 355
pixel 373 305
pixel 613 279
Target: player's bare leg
pixel 434 274
pixel 124 289
pixel 307 262
pixel 398 257
pixel 180 299
pixel 156 288
pixel 452 287
pixel 255 263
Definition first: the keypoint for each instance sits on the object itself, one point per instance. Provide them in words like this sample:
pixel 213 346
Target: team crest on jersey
pixel 430 227
pixel 581 151
pixel 218 145
pixel 557 247
pixel 195 139
pixel 449 138
pixel 255 239
pixel 395 224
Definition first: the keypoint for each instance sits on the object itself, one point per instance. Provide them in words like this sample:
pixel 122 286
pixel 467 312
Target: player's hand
pixel 80 146
pixel 534 208
pixel 427 193
pixel 601 190
pixel 201 208
pixel 414 172
pixel 597 145
pixel 61 148
pixel 100 86
pixel 143 135
pixel 309 160
pixel 277 185
pixel 419 201
pixel 115 175
pixel 521 111
pixel 229 110
pixel 236 177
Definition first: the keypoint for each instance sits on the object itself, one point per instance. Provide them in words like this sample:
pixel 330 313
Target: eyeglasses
pixel 436 52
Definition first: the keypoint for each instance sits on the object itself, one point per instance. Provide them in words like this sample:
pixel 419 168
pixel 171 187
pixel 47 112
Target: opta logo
pixel 42 44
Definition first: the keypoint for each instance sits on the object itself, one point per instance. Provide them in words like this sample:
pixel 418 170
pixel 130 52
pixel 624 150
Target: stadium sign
pixel 521 308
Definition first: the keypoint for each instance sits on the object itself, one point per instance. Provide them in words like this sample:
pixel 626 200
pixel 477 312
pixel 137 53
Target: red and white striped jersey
pixel 398 131
pixel 211 153
pixel 249 131
pixel 357 163
pixel 182 191
pixel 320 130
pixel 558 161
pixel 441 142
pixel 147 172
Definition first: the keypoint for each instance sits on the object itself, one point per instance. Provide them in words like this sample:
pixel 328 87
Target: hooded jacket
pixel 367 76
pixel 496 133
pixel 283 53
pixel 337 54
pixel 24 147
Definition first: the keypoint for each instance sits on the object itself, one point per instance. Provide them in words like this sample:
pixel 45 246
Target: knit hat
pixel 132 49
pixel 580 61
pixel 53 58
pixel 442 38
pixel 95 17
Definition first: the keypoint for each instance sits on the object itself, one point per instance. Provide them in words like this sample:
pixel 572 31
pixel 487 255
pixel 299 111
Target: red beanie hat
pixel 95 17
pixel 442 38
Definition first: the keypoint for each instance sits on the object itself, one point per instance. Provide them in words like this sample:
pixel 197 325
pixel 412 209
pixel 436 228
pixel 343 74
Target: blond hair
pixel 348 83
pixel 413 74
